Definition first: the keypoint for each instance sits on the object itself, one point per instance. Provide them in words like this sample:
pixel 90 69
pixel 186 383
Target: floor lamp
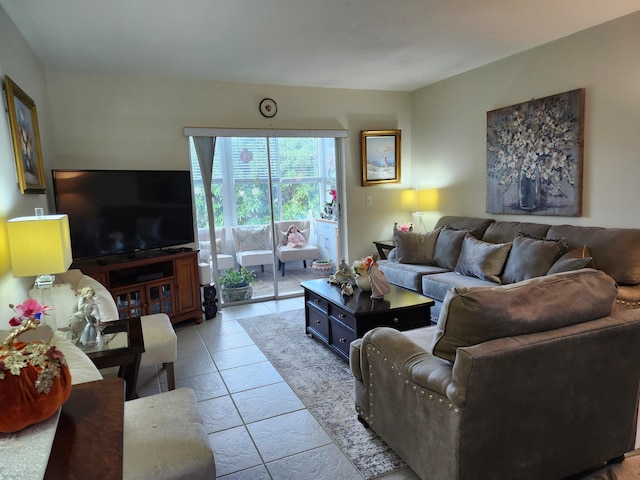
pixel 40 246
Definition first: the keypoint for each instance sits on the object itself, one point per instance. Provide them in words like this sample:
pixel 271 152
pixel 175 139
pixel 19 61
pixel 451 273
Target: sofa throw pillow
pixel 573 260
pixel 414 247
pixel 531 257
pixel 253 238
pixel 475 315
pixel 482 259
pixel 448 246
pixel 219 245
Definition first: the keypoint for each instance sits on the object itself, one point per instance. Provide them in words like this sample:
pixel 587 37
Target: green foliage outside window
pixel 293 159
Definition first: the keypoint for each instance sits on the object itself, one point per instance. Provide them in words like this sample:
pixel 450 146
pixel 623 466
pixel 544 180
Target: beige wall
pixel 132 122
pixel 449 122
pixel 18 62
pixel 98 121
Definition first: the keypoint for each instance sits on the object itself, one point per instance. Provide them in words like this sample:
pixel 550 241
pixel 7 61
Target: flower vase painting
pixel 534 156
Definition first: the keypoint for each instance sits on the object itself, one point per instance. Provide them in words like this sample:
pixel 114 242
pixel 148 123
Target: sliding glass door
pixel 260 187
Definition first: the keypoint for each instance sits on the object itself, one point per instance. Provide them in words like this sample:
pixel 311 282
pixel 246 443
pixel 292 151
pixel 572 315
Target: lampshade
pixel 39 245
pixel 419 200
pixel 409 200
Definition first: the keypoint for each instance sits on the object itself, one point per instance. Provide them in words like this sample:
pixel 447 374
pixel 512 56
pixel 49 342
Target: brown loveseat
pixel 430 264
pixel 534 380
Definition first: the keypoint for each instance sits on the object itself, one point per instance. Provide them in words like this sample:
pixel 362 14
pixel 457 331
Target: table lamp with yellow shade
pixel 418 202
pixel 40 246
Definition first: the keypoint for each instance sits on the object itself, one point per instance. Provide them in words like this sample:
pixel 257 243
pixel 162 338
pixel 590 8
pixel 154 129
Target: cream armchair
pixel 225 261
pixel 291 254
pixel 531 380
pixel 253 245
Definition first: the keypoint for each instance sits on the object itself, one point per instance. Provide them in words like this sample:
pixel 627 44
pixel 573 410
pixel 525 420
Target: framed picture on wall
pixel 25 136
pixel 380 156
pixel 534 156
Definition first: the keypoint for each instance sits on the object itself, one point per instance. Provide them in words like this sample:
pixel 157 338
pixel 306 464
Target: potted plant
pixel 322 268
pixel 236 285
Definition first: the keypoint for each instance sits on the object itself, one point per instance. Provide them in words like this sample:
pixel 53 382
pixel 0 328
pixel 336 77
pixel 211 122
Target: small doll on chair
pixel 295 238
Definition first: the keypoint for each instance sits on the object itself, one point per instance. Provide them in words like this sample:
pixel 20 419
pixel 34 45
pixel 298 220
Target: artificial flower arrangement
pixel 362 266
pixel 34 377
pixel 406 227
pixel 334 195
pixel 27 310
pixel 370 278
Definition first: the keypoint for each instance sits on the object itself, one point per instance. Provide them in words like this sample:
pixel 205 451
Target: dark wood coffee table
pixel 336 320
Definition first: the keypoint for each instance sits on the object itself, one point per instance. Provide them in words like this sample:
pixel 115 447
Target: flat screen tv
pixel 115 212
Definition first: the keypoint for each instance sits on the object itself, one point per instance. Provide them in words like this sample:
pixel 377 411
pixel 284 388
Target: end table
pixel 383 247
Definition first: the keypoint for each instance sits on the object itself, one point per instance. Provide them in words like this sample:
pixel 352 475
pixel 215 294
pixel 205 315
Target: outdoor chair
pixel 253 245
pixel 287 254
pixel 225 261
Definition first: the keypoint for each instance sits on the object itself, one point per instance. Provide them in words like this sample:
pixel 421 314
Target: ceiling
pixel 361 44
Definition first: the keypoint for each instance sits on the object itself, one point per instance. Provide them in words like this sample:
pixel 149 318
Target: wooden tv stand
pixel 163 283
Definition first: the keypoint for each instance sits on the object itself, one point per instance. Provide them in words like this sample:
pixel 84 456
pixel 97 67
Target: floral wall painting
pixel 534 156
pixel 380 156
pixel 23 122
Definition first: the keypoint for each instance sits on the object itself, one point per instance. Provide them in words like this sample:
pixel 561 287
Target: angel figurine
pixel 85 320
pixel 379 284
pixel 344 274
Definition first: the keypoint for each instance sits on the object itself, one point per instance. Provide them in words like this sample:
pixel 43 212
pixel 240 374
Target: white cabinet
pixel 328 240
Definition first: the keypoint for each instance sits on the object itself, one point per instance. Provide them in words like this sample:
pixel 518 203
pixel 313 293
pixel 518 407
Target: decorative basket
pixel 34 381
pixel 322 269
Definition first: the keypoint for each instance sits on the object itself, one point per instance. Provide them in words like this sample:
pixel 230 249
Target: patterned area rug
pixel 324 383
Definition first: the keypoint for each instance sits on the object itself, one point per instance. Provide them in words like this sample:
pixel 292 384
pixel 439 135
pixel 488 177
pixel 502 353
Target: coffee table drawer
pixel 341 337
pixel 400 320
pixel 318 323
pixel 344 316
pixel 318 302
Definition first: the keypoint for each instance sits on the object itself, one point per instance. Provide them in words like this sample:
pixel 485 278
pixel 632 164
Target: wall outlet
pixel 369 201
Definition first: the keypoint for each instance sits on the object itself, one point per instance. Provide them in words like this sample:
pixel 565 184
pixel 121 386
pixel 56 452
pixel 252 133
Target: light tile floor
pixel 258 427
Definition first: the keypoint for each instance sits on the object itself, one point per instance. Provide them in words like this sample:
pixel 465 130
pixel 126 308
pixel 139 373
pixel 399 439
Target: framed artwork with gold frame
pixel 25 136
pixel 380 156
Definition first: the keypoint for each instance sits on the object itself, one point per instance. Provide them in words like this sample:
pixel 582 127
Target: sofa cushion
pixel 482 259
pixel 530 257
pixel 475 315
pixel 414 247
pixel 500 232
pixel 80 365
pixel 407 275
pixel 605 246
pixel 437 285
pixel 475 226
pixel 448 246
pixel 573 260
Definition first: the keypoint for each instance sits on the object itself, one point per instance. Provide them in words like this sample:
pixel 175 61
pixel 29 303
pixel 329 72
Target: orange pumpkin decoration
pixel 34 382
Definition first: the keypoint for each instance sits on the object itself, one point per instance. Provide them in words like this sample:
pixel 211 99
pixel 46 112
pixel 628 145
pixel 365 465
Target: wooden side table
pixel 124 351
pixel 383 247
pixel 89 437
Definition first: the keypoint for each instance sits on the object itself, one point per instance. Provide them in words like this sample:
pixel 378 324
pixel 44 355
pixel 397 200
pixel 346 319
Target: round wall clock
pixel 268 108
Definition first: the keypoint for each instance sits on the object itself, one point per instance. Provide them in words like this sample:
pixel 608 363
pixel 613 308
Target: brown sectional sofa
pixel 615 251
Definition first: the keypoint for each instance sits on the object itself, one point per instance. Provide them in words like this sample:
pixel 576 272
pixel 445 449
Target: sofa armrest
pixel 408 353
pixel 80 365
